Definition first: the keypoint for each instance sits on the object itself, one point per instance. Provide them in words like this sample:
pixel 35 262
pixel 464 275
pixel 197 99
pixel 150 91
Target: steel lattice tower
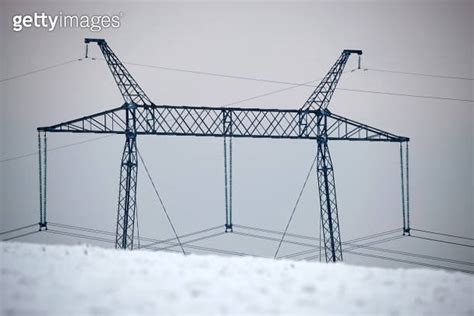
pixel 139 116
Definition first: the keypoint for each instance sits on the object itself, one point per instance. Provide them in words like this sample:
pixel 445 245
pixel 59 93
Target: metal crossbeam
pixel 210 121
pixel 139 116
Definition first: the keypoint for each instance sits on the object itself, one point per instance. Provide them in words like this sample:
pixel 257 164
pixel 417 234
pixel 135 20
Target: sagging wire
pixel 161 201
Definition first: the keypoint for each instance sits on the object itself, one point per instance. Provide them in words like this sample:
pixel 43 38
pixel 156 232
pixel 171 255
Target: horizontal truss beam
pixel 213 122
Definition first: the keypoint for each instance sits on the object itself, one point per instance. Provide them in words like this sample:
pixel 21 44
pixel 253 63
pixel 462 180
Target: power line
pixel 104 232
pixel 192 240
pixel 375 242
pixel 314 238
pixel 40 70
pixel 154 241
pixel 399 252
pixel 294 235
pixel 94 238
pixel 373 235
pixel 269 81
pixel 296 85
pixel 157 242
pixel 161 201
pixel 80 228
pixel 272 239
pixel 416 255
pixel 22 235
pixel 212 250
pixel 408 261
pixel 305 252
pixel 293 85
pixel 406 95
pixel 174 245
pixel 418 74
pixel 222 251
pixel 34 153
pixel 366 246
pixel 215 250
pixel 243 254
pixel 352 246
pixel 168 248
pixel 307 84
pixel 441 234
pixel 349 242
pixel 214 74
pixel 405 253
pixel 168 215
pixel 275 232
pixel 294 208
pixel 69 234
pixel 17 229
pixel 443 241
pixel 379 249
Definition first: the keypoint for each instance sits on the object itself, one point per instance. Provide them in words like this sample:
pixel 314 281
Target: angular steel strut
pixel 319 100
pixel 133 96
pixel 139 116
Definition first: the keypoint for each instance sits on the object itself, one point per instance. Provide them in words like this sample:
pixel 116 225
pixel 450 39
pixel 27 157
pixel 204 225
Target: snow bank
pixel 82 280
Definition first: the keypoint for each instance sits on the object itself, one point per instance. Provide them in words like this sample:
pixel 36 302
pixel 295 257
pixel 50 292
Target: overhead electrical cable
pixel 41 69
pixel 22 235
pixel 55 148
pixel 409 262
pixel 161 201
pixel 443 241
pixel 308 84
pixel 17 229
pixel 419 74
pixel 295 206
pixel 442 234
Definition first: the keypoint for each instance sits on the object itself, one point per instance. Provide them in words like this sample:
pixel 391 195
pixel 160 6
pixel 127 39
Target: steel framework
pixel 139 116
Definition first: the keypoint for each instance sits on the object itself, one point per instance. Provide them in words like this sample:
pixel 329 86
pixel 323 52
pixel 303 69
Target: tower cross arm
pixel 106 122
pixel 322 95
pixel 342 128
pixel 131 91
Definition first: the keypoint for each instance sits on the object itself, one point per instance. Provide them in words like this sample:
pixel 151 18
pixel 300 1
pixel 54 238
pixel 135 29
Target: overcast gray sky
pixel 287 41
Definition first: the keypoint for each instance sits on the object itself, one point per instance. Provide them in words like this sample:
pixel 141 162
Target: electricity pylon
pixel 319 100
pixel 139 116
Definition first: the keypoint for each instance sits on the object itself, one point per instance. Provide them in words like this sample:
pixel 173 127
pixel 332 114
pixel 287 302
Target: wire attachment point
pixel 43 226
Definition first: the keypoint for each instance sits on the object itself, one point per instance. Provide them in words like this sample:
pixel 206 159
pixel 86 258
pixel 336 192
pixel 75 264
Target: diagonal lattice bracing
pixel 127 194
pixel 208 121
pixel 322 95
pixel 131 92
pixel 328 204
pixel 139 116
pixel 341 128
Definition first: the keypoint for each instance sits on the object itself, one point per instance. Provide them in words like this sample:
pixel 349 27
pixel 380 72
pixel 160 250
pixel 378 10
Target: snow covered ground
pixel 83 280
